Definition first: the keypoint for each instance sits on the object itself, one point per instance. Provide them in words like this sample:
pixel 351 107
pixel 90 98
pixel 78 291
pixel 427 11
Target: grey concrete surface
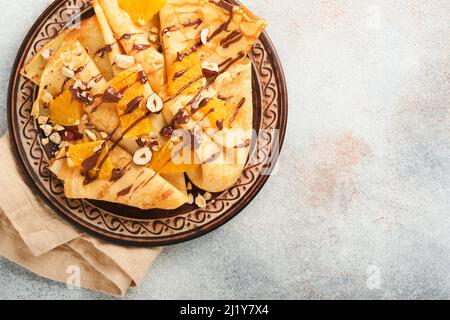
pixel 360 205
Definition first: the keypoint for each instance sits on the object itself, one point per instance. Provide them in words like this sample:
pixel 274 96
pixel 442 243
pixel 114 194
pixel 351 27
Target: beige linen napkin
pixel 35 237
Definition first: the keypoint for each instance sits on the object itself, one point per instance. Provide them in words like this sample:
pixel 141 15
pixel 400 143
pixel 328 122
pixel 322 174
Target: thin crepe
pixel 182 23
pixel 231 33
pixel 53 81
pixel 91 38
pixel 134 40
pixel 139 186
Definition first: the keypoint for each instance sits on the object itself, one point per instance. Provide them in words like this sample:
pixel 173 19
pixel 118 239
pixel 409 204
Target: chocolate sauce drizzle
pixel 180 74
pixel 125 191
pixel 133 105
pixel 223 27
pixel 127 36
pixel 232 38
pixel 88 179
pixel 108 48
pixel 90 163
pixel 236 112
pixel 142 77
pixel 117 173
pixel 195 23
pixel 111 96
pixel 141 47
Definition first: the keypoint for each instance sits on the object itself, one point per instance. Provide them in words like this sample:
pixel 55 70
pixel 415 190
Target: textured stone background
pixel 360 206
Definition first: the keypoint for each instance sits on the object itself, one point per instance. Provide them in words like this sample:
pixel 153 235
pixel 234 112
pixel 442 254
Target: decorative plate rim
pixel 31 176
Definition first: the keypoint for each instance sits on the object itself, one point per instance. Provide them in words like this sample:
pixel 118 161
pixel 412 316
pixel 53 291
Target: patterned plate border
pixel 158 228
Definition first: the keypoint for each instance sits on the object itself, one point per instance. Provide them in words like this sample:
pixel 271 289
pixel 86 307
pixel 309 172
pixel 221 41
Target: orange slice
pixel 144 127
pixel 186 75
pixel 219 112
pixel 172 168
pixel 127 83
pixel 142 11
pixel 65 110
pixel 161 157
pixel 132 97
pixel 164 161
pixel 123 80
pixel 131 108
pixel 80 152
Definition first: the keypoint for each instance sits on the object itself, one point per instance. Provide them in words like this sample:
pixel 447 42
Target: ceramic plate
pixel 129 225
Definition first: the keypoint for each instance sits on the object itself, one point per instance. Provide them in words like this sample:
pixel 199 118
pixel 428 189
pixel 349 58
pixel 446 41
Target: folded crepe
pixel 71 57
pixel 230 29
pixel 133 38
pixel 132 185
pixel 90 37
pixel 205 46
pixel 222 169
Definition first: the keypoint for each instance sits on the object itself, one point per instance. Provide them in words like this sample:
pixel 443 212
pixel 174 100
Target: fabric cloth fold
pixel 35 237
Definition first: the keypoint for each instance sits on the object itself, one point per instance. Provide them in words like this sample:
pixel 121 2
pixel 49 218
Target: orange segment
pixel 171 168
pixel 128 84
pixel 218 112
pixel 65 110
pixel 170 159
pixel 141 11
pixel 136 90
pixel 80 152
pixel 161 157
pixel 184 73
pixel 123 80
pixel 144 127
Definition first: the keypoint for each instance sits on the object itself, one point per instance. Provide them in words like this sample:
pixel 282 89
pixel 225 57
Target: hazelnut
pixel 154 103
pixel 153 38
pixel 68 73
pixel 200 201
pixel 42 120
pixel 46 53
pixel 207 196
pixel 204 36
pixel 48 129
pixel 90 135
pixel 142 156
pixel 45 141
pixel 55 138
pixel 47 97
pixel 124 61
pixel 58 128
pixel 210 68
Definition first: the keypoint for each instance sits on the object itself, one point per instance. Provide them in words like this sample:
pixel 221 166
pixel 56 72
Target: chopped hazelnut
pixel 45 141
pixel 124 61
pixel 208 196
pixel 204 36
pixel 55 138
pixel 48 129
pixel 90 135
pixel 200 201
pixel 42 120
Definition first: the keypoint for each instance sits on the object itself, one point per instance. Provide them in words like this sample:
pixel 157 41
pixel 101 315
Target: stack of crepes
pixel 144 94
